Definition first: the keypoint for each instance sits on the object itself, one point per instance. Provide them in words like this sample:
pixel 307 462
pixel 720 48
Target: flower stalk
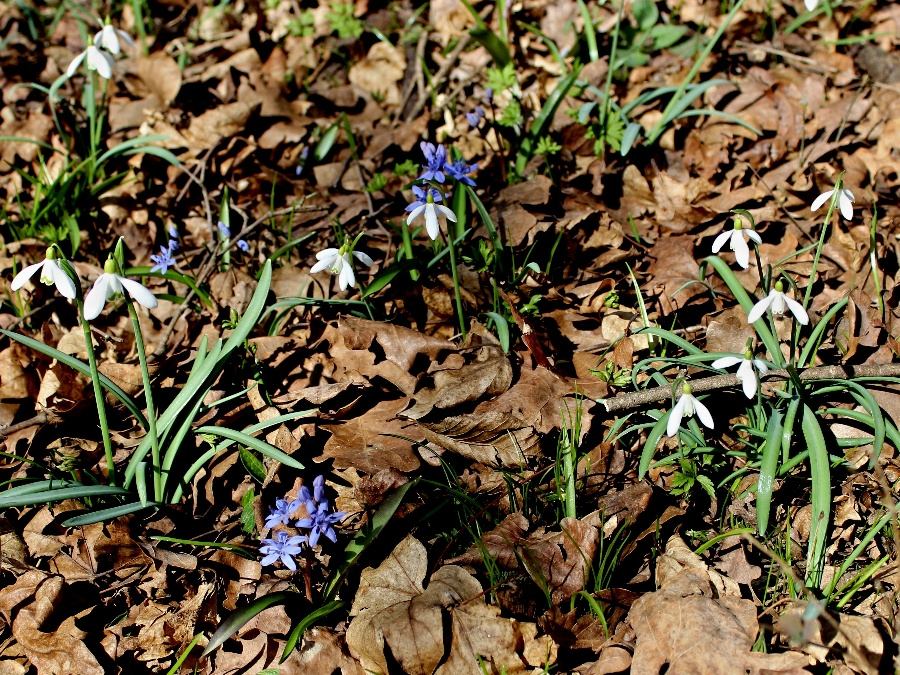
pixel 98 393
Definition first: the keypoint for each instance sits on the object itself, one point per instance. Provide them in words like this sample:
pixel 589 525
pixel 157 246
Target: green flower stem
pixel 456 291
pixel 832 203
pixel 98 394
pixel 148 398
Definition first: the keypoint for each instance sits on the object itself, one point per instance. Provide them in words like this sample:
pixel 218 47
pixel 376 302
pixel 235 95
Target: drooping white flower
pixel 686 406
pixel 778 301
pixel 51 274
pixel 109 38
pixel 426 202
pixel 108 284
pixel 845 202
pixel 97 60
pixel 811 4
pixel 746 372
pixel 737 238
pixel 339 261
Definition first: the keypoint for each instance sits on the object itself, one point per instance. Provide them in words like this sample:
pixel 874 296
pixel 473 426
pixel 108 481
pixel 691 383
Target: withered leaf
pixel 393 609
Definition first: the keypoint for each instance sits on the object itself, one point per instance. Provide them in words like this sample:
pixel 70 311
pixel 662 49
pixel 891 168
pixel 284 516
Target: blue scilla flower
pixel 243 245
pixel 224 230
pixel 164 259
pixel 282 547
pixel 320 521
pixel 422 197
pixel 435 159
pixel 281 514
pixel 461 171
pixel 475 116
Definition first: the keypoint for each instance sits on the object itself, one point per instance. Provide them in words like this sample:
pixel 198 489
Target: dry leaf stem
pixel 638 399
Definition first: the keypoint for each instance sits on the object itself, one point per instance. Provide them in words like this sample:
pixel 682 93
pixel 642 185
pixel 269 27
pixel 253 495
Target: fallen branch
pixel 638 399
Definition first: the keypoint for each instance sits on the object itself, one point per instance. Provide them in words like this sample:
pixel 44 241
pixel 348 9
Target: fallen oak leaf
pixel 394 610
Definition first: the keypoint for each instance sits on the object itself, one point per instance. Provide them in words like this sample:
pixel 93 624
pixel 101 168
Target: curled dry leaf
pixel 27 605
pixel 697 623
pixel 393 610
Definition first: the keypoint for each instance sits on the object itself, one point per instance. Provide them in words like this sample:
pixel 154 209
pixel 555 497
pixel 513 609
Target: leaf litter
pixel 481 568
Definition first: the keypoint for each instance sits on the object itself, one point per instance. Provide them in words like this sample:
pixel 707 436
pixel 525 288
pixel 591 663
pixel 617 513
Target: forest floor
pixel 542 337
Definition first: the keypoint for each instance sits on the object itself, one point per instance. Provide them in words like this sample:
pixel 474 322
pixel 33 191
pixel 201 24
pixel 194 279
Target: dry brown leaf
pixel 698 623
pixel 27 605
pixel 380 71
pixel 374 440
pixel 393 610
pixel 214 125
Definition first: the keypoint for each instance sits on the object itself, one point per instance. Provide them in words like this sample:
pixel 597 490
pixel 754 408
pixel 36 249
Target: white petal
pixel 778 305
pixel 74 63
pixel 797 310
pixel 821 199
pixel 23 276
pixel 431 221
pixel 363 258
pixel 346 277
pixel 107 39
pixel 846 206
pixel 414 214
pixel 751 234
pixel 741 250
pixel 759 309
pixel 140 293
pixel 448 212
pixel 761 365
pixel 846 193
pixel 96 297
pixel 720 240
pixel 320 266
pixel 703 414
pixel 748 378
pixel 811 4
pixel 726 362
pixel 100 61
pixel 675 416
pixel 64 284
pixel 329 253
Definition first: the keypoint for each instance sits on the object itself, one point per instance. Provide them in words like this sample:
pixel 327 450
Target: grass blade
pixel 767 470
pixel 820 473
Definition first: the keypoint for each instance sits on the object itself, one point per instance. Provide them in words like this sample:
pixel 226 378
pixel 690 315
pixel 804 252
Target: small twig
pixel 440 76
pixel 40 418
pixel 638 399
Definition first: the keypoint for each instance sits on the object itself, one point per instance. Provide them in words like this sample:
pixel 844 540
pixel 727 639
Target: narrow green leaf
pixel 656 433
pixel 300 628
pixel 768 468
pixel 820 472
pixel 58 495
pixel 253 464
pixel 268 450
pixel 237 619
pixel 103 515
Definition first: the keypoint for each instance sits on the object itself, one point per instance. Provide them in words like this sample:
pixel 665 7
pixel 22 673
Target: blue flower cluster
pixel 166 256
pixel 438 165
pixel 319 522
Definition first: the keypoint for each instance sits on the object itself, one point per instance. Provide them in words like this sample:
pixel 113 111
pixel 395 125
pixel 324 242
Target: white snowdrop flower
pixel 109 38
pixel 97 60
pixel 686 406
pixel 746 372
pixel 811 4
pixel 737 238
pixel 845 202
pixel 108 284
pixel 778 301
pixel 339 261
pixel 51 275
pixel 426 202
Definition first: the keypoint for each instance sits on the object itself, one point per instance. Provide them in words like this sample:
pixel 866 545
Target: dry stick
pixel 440 76
pixel 40 418
pixel 638 399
